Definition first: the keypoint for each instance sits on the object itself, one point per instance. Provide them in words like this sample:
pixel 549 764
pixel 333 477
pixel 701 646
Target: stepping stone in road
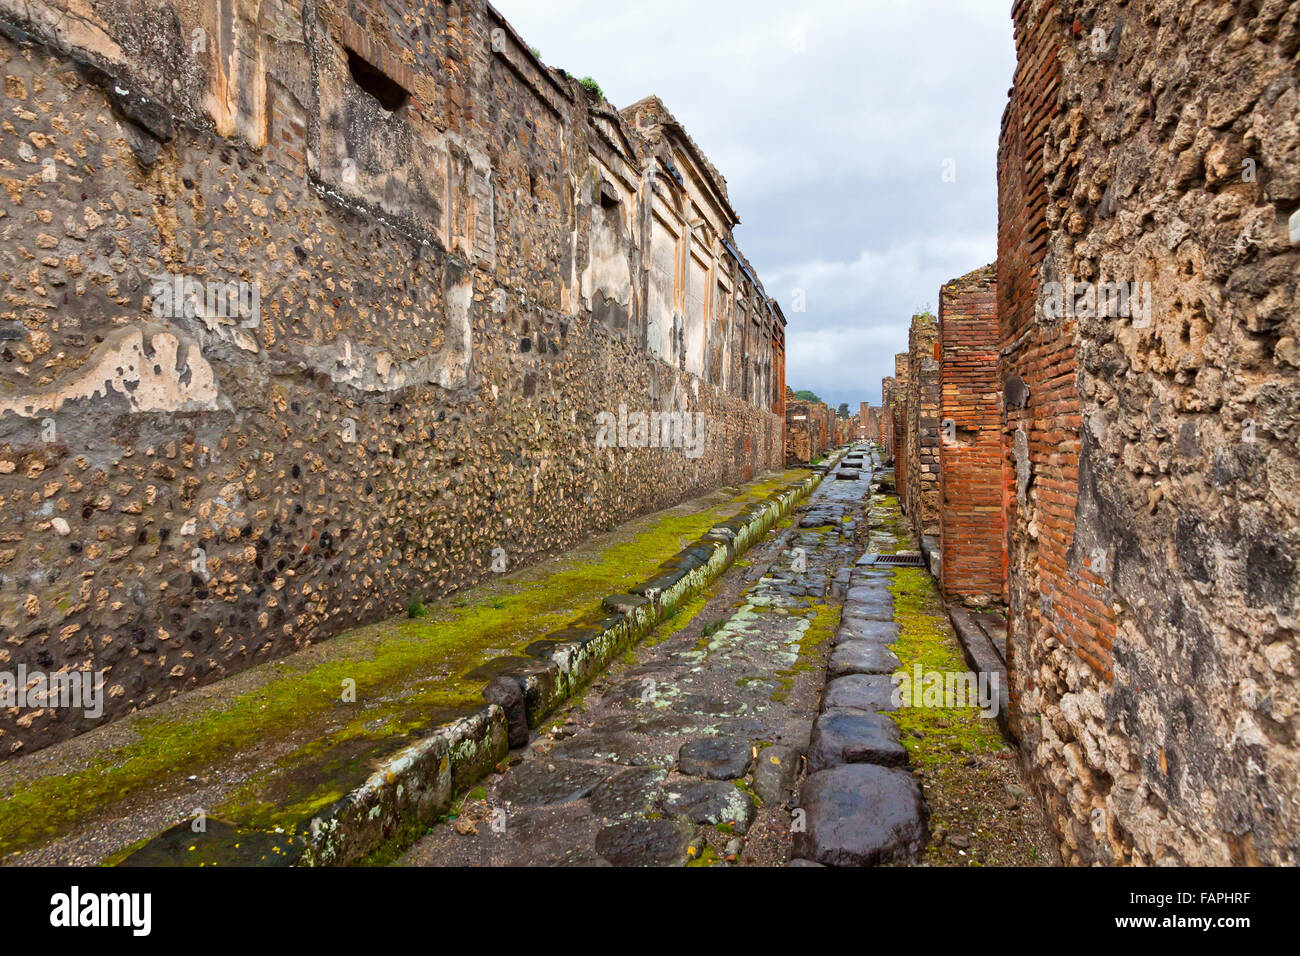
pixel 710 801
pixel 775 770
pixel 864 692
pixel 718 758
pixel 539 783
pixel 869 595
pixel 842 736
pixel 880 632
pixel 862 657
pixel 648 843
pixel 861 815
pixel 858 611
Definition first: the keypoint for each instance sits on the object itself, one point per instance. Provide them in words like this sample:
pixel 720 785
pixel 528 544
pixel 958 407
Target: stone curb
pixel 414 787
pixel 981 656
pixel 408 790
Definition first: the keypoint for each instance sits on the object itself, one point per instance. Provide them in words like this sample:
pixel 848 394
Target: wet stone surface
pixel 842 736
pixel 539 784
pixel 775 772
pixel 710 801
pixel 861 815
pixel 861 657
pixel 688 749
pixel 718 758
pixel 864 692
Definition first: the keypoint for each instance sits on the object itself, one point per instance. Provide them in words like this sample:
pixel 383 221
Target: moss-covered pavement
pixel 687 751
pixel 981 813
pixel 257 755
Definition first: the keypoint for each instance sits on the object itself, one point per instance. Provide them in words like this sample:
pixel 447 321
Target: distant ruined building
pixel 311 306
pixel 1117 404
pixel 811 430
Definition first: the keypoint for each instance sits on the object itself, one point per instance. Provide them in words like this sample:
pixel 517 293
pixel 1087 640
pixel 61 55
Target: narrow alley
pixel 720 741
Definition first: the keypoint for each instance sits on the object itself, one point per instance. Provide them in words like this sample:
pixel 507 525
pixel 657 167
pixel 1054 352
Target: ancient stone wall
pixel 885 416
pixel 1152 436
pixel 921 421
pixel 802 431
pixel 825 419
pixel 312 307
pixel 898 425
pixel 970 440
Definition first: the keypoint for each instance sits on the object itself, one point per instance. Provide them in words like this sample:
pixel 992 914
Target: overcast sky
pixel 832 121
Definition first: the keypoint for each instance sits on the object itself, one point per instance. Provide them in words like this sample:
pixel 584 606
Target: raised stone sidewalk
pixel 353 747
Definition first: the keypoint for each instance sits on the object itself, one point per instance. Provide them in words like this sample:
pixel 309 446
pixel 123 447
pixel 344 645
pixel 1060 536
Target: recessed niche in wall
pixel 391 95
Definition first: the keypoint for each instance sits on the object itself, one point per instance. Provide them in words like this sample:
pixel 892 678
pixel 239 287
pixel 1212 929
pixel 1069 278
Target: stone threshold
pixel 408 786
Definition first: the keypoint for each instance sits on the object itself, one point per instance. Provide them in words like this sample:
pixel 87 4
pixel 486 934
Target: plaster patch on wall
pixel 1021 450
pixel 152 379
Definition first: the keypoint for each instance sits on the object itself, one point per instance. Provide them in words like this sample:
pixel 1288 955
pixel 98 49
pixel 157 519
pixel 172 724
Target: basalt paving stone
pixel 869 594
pixel 775 770
pixel 714 802
pixel 707 704
pixel 544 836
pixel 862 657
pixel 668 722
pixel 535 784
pixel 621 748
pixel 860 815
pixel 627 793
pixel 871 578
pixel 840 737
pixel 864 692
pixel 718 758
pixel 868 612
pixel 881 632
pixel 648 842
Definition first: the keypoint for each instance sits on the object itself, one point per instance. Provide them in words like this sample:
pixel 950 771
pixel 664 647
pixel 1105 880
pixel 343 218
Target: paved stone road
pixel 861 806
pixel 689 750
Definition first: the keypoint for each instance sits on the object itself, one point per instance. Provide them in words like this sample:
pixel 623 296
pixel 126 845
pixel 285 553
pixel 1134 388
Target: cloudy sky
pixel 834 122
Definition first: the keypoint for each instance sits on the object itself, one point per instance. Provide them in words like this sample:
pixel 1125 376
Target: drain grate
pixel 904 559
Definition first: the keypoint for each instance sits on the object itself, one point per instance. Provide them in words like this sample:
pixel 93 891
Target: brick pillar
pixel 970 440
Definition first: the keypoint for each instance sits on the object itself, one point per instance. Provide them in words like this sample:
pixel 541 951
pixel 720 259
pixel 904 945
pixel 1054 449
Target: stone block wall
pixel 921 421
pixel 970 440
pixel 898 425
pixel 885 416
pixel 1151 466
pixel 445 263
pixel 802 431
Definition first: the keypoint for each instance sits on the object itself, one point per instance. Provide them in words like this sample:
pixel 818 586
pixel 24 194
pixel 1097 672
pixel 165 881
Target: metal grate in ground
pixel 903 559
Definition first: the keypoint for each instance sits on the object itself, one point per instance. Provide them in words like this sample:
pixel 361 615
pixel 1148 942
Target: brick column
pixel 970 440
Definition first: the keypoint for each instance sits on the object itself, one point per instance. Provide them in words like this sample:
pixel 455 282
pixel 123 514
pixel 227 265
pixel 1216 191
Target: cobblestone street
pixel 690 750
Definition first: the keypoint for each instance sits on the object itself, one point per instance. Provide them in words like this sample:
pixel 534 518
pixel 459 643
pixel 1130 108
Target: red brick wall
pixel 970 446
pixel 1049 595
